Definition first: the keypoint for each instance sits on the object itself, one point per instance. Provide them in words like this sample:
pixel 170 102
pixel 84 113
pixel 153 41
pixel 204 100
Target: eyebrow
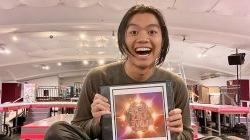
pixel 150 25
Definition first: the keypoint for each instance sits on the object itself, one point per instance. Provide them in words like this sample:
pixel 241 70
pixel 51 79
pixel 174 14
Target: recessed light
pixel 14 38
pixel 201 55
pixel 59 64
pixel 7 51
pixel 3 49
pixel 45 67
pixel 85 62
pixel 82 36
pixel 100 52
pixel 101 62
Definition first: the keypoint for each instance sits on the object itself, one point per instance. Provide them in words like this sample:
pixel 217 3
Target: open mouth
pixel 143 51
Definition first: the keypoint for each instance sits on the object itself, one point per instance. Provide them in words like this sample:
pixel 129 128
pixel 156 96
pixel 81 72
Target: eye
pixel 133 32
pixel 152 32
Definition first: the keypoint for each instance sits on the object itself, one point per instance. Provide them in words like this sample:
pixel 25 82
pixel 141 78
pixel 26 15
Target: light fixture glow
pixel 100 52
pixel 45 67
pixel 7 51
pixel 3 50
pixel 59 64
pixel 201 55
pixel 85 62
pixel 101 62
pixel 82 36
pixel 14 38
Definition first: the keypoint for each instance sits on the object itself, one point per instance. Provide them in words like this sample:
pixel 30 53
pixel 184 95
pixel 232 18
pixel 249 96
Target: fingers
pixel 177 130
pixel 100 106
pixel 98 114
pixel 174 121
pixel 98 96
pixel 175 111
pixel 174 117
pixel 101 103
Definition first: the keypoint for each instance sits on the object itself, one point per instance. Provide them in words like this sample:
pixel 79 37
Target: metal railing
pixel 55 93
pixel 48 93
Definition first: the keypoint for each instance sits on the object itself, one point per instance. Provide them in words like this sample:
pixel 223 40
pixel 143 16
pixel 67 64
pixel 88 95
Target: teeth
pixel 142 49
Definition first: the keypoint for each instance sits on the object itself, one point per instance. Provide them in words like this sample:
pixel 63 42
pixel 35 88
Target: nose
pixel 143 37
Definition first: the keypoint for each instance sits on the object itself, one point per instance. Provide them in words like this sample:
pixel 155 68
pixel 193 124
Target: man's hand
pixel 100 106
pixel 174 121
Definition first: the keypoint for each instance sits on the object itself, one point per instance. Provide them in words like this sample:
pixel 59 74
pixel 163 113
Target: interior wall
pixel 220 81
pixel 46 81
pixel 69 81
pixel 214 89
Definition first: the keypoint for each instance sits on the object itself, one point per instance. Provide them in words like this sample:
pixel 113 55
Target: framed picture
pixel 138 111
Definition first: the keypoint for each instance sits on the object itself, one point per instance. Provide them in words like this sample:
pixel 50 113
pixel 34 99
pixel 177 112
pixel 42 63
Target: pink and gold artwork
pixel 140 115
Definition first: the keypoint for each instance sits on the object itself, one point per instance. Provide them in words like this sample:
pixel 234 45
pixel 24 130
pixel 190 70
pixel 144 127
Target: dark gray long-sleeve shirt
pixel 114 74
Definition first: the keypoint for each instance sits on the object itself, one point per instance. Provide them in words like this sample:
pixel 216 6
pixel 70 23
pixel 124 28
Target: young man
pixel 143 40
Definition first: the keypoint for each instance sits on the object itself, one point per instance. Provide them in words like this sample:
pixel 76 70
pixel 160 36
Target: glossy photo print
pixel 139 112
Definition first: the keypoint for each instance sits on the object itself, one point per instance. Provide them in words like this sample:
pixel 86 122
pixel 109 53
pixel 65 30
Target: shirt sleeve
pixel 182 102
pixel 83 117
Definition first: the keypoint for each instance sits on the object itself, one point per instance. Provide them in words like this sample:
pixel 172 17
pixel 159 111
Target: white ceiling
pixel 86 30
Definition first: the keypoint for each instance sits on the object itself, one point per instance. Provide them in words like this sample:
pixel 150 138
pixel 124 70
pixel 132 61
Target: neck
pixel 138 73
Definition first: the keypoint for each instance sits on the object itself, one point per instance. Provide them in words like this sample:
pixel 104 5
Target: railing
pixel 19 99
pixel 229 95
pixel 48 93
pixel 10 116
pixel 54 93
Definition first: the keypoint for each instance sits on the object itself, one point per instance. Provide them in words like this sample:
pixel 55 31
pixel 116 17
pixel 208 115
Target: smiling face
pixel 143 38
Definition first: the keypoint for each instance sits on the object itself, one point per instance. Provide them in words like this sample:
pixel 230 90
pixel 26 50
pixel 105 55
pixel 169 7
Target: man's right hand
pixel 100 106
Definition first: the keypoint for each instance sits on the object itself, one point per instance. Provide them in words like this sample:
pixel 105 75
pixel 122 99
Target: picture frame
pixel 138 111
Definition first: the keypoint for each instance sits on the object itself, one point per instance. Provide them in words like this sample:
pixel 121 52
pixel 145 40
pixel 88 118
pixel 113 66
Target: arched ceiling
pixel 38 33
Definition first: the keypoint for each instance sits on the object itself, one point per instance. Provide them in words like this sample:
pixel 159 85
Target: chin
pixel 145 65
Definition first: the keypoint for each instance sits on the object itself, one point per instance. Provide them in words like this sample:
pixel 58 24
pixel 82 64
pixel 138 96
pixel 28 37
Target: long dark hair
pixel 124 24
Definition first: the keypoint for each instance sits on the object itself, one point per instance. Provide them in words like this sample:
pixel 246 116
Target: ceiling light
pixel 205 50
pixel 85 62
pixel 14 38
pixel 45 67
pixel 200 55
pixel 100 52
pixel 101 62
pixel 82 36
pixel 3 49
pixel 7 51
pixel 59 64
